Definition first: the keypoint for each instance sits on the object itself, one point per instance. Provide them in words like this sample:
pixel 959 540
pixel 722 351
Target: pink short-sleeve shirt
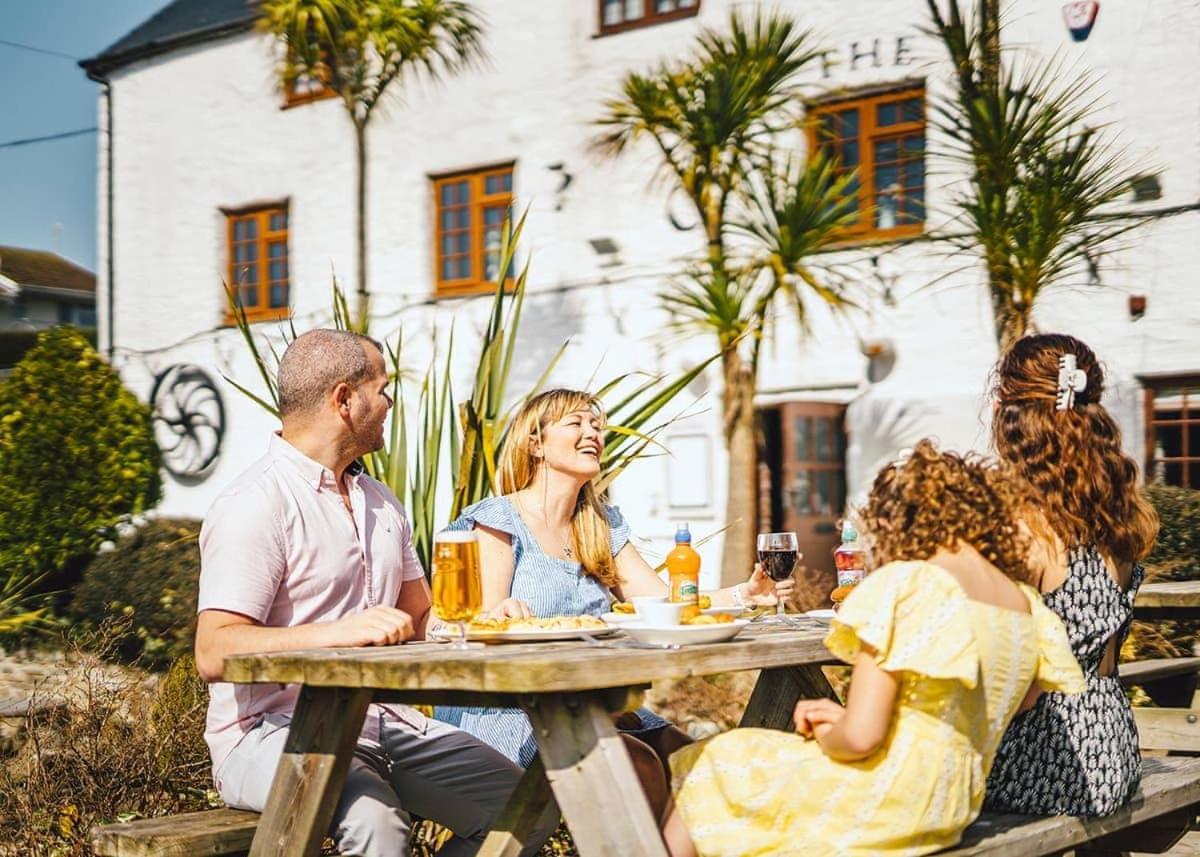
pixel 279 547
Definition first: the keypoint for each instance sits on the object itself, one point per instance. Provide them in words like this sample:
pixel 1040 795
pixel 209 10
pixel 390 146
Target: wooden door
pixel 805 454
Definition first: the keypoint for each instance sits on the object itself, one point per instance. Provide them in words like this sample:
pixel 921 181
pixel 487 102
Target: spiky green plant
pixel 715 119
pixel 1041 174
pixel 439 437
pixel 359 49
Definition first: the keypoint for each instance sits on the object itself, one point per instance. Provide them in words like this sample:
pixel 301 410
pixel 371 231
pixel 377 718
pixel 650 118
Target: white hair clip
pixel 1071 380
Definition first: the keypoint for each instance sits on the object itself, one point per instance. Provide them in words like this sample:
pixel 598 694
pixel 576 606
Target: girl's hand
pixel 761 591
pixel 509 608
pixel 815 717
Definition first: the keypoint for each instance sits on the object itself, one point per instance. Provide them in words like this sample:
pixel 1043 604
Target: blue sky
pixel 48 190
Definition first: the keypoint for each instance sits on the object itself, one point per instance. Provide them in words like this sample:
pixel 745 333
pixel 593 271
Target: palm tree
pixel 1040 174
pixel 358 48
pixel 715 119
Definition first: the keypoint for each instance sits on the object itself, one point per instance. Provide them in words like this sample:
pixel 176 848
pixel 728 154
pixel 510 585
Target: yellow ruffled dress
pixel 964 667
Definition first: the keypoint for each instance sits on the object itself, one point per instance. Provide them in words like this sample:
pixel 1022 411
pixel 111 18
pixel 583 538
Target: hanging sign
pixel 1080 17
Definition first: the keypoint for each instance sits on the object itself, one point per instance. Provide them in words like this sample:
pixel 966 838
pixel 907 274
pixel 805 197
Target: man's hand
pixel 377 626
pixel 815 717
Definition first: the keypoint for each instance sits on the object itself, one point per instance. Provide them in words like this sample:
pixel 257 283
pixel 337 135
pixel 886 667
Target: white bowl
pixel 724 611
pixel 683 635
pixel 820 614
pixel 661 612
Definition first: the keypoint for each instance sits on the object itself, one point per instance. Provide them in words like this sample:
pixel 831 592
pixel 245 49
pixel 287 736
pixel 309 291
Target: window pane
pixel 912 207
pixel 887 179
pixel 803 434
pixel 825 442
pixel 911 110
pixel 277 271
pixel 279 295
pixel 464 218
pixel 498 183
pixel 463 242
pixel 493 216
pixel 634 9
pixel 912 147
pixel 449 242
pixel 799 494
pixel 278 221
pixel 464 267
pixel 247 273
pixel 823 497
pixel 662 6
pixel 1193 438
pixel 447 269
pixel 849 121
pixel 449 218
pixel 1173 473
pixel 249 296
pixel 1168 441
pixel 277 250
pixel 887 114
pixel 612 12
pixel 886 151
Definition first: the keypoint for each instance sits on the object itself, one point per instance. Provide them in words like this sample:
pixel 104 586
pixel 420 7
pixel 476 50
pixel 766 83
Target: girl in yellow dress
pixel 947 641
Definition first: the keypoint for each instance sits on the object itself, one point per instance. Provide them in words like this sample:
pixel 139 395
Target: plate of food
pixel 615 618
pixel 732 612
pixel 700 629
pixel 534 629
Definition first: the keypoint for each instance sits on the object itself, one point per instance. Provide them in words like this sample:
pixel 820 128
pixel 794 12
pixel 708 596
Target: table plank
pixel 592 776
pixel 320 743
pixel 776 692
pixel 541 667
pixel 1174 593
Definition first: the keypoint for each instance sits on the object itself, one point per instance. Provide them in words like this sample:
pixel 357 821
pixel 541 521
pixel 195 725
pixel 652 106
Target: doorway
pixel 802 486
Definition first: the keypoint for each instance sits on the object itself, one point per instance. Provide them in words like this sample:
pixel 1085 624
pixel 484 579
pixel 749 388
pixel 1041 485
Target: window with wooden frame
pixel 1173 429
pixel 258 261
pixel 307 88
pixel 881 139
pixel 619 15
pixel 471 208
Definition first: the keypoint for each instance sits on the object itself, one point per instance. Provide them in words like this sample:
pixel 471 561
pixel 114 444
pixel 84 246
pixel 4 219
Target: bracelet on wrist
pixel 739 600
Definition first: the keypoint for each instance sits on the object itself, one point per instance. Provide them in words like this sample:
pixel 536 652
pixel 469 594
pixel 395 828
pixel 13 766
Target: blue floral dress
pixel 551 586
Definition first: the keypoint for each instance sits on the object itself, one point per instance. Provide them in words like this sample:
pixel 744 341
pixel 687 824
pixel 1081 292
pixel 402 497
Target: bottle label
pixel 850 576
pixel 688 591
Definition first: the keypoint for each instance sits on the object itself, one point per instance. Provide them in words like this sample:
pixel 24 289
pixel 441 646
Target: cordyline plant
pixel 1040 173
pixel 358 49
pixel 715 120
pixel 464 439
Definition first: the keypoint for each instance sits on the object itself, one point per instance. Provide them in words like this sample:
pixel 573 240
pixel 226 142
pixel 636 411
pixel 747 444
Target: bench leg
pixel 311 773
pixel 776 692
pixel 592 776
pixel 528 804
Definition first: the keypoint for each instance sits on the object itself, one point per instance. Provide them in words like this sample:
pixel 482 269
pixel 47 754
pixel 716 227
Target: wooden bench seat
pixel 1158 815
pixel 1155 819
pixel 192 834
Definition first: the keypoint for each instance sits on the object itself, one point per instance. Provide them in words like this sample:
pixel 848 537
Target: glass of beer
pixel 457 587
pixel 778 553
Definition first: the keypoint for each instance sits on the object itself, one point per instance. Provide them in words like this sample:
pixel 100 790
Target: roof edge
pixel 102 64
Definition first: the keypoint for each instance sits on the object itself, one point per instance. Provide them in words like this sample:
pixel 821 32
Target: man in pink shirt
pixel 305 550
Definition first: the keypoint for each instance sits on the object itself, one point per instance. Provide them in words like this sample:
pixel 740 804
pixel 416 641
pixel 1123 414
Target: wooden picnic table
pixel 1174 723
pixel 568 689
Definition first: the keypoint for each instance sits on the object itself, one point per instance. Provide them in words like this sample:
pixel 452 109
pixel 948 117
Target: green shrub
pixel 14 343
pixel 1176 554
pixel 150 577
pixel 77 455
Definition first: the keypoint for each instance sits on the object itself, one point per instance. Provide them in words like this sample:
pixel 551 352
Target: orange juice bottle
pixel 683 565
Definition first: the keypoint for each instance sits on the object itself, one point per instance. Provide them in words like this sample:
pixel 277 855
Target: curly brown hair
pixel 933 500
pixel 1082 483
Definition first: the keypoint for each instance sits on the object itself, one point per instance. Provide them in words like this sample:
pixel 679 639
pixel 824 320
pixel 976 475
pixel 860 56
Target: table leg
pixel 529 802
pixel 311 773
pixel 592 776
pixel 777 691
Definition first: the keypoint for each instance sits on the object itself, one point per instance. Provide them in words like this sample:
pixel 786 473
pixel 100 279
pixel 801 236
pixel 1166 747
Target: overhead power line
pixel 48 53
pixel 10 144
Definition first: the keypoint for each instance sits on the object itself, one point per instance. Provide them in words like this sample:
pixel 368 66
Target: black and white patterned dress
pixel 1075 754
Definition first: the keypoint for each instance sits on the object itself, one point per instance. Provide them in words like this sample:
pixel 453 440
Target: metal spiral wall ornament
pixel 189 420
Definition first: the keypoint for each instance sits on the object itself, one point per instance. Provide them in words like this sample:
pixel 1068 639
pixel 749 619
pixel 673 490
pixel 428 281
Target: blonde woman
pixel 550 547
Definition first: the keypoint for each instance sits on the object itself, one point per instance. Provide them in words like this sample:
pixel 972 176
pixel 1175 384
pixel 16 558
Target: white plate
pixel 684 635
pixel 619 618
pixel 820 614
pixel 534 635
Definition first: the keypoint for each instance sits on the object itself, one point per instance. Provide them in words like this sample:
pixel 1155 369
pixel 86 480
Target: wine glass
pixel 777 552
pixel 457 586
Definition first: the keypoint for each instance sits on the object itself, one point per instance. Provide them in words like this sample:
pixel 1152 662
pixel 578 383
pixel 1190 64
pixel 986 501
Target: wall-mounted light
pixel 607 249
pixel 1137 306
pixel 1146 188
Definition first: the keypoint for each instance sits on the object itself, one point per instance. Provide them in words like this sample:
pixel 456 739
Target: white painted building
pixel 208 161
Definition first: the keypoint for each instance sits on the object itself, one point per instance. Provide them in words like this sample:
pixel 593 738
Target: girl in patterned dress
pixel 1075 755
pixel 549 547
pixel 946 642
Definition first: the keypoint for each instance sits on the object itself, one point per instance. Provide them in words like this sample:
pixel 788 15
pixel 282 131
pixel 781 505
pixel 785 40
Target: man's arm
pixel 416 601
pixel 220 634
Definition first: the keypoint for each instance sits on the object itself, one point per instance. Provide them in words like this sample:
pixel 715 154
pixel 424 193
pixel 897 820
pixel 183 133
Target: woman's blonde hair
pixel 590 533
pixel 933 500
pixel 1084 486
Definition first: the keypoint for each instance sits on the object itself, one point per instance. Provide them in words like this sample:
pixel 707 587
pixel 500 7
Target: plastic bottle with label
pixel 850 560
pixel 683 566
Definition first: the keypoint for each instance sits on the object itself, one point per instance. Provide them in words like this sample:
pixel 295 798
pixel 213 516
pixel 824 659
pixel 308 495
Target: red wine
pixel 778 564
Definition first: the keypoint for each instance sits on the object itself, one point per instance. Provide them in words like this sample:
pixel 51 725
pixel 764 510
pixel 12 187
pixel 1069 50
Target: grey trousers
pixel 441 773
